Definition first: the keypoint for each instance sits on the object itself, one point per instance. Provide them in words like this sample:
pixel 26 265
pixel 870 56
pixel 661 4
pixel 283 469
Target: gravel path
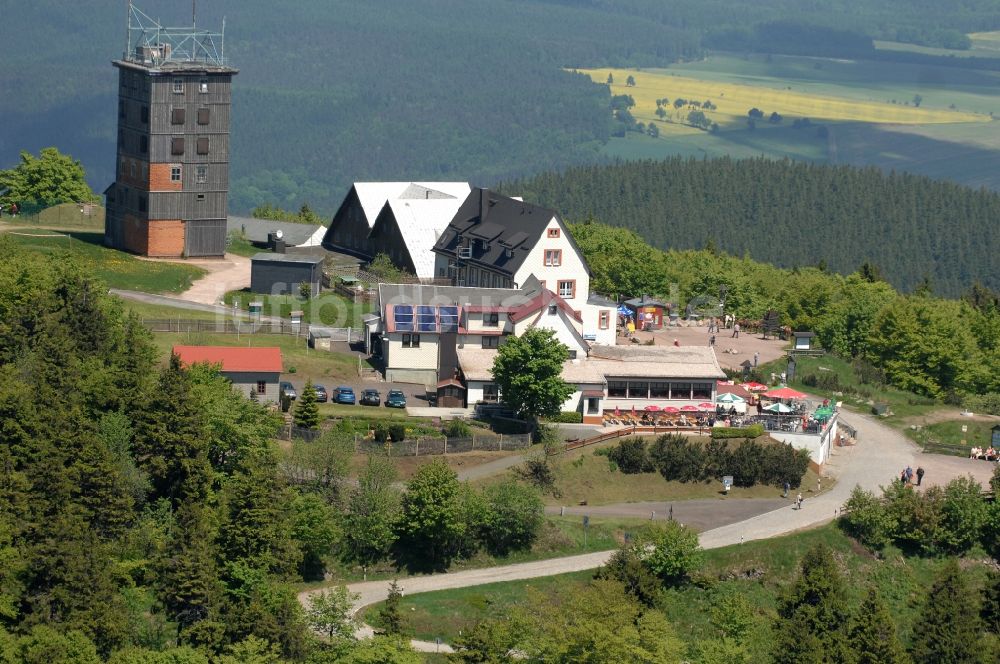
pixel 231 273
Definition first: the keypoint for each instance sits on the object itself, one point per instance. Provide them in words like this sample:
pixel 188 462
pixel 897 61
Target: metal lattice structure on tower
pixel 150 43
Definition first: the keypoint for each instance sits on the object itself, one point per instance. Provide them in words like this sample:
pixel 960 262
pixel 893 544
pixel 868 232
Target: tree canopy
pixel 528 370
pixel 46 180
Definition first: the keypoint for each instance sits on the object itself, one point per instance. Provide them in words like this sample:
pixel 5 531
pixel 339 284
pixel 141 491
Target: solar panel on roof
pixel 403 316
pixel 426 319
pixel 449 318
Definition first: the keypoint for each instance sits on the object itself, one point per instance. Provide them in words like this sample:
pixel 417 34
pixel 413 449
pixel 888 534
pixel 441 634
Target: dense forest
pixel 334 92
pixel 941 348
pixel 917 231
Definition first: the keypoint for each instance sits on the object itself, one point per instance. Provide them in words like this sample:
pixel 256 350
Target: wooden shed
pixel 648 312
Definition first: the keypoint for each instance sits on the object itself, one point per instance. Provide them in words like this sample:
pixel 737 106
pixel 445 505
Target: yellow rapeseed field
pixel 734 100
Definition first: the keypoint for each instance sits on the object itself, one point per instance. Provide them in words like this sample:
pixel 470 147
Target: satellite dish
pixel 279 234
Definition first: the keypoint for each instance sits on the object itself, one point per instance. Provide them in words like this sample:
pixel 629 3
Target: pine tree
pixel 188 581
pixel 391 615
pixel 813 615
pixel 990 612
pixel 306 409
pixel 948 628
pixel 873 635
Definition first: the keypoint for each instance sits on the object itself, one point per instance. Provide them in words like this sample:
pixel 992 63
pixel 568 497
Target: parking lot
pixel 416 395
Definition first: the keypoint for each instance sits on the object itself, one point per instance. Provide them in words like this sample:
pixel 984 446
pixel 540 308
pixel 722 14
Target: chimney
pixel 484 204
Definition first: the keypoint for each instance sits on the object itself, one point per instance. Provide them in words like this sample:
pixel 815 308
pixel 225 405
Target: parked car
pixel 320 393
pixel 344 394
pixel 370 398
pixel 395 399
pixel 286 388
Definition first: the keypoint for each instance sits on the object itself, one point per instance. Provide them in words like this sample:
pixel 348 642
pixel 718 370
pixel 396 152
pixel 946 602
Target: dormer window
pixel 553 232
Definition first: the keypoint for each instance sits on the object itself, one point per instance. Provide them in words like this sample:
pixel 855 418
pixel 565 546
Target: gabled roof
pixel 645 301
pixel 509 227
pixel 257 229
pixel 541 301
pixel 657 361
pixel 374 195
pixel 420 222
pixel 232 358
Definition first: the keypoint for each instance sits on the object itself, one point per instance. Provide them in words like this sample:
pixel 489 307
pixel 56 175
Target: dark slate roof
pixel 644 301
pixel 597 300
pixel 510 227
pixel 257 229
pixel 805 335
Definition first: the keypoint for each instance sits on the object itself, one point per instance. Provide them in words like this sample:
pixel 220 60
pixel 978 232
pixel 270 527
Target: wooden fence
pixel 229 326
pixel 445 445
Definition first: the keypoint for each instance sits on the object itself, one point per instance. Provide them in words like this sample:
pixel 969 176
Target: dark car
pixel 370 398
pixel 286 388
pixel 344 394
pixel 395 399
pixel 320 393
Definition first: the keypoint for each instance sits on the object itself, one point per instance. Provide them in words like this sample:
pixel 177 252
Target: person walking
pixel 909 475
pixel 736 330
pixel 711 341
pixel 798 501
pixel 787 487
pixel 920 475
pixel 756 357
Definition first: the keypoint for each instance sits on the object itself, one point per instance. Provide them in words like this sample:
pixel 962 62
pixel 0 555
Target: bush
pixel 568 417
pixel 538 471
pixel 677 458
pixel 750 463
pixel 752 431
pixel 672 551
pixel 457 429
pixel 866 519
pixel 397 432
pixel 627 567
pixel 988 403
pixel 631 457
pixel 381 430
pixel 512 519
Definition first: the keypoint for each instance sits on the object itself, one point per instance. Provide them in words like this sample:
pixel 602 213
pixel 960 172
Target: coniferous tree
pixel 873 637
pixel 812 617
pixel 391 615
pixel 306 413
pixel 948 628
pixel 990 611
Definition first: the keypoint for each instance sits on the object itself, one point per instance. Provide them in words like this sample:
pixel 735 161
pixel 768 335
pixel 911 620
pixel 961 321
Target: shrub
pixel 677 458
pixel 397 432
pixel 568 417
pixel 457 429
pixel 631 457
pixel 983 403
pixel 749 463
pixel 512 519
pixel 964 514
pixel 866 519
pixel 381 430
pixel 627 567
pixel 752 431
pixel 538 471
pixel 672 551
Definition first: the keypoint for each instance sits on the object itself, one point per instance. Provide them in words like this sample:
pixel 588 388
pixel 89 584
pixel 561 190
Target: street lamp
pixel 723 289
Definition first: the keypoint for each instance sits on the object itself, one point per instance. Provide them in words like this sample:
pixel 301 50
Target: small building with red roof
pixel 250 370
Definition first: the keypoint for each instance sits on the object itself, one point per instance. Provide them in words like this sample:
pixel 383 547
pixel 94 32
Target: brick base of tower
pixel 158 239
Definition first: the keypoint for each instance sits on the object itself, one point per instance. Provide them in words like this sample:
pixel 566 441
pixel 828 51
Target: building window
pixel 680 390
pixel 144 114
pixel 491 319
pixel 131 169
pixel 553 232
pixel 617 388
pixel 659 390
pixel 571 354
pixel 593 405
pixel 179 85
pixel 701 391
pixel 604 320
pixel 203 115
pixel 553 257
pixel 491 342
pixel 201 174
pixel 553 309
pixel 203 86
pixel 121 110
pixel 143 203
pixel 261 387
pixel 200 198
pixel 177 145
pixel 203 145
pixel 411 341
pixel 175 173
pixel 567 289
pixel 177 116
pixel 638 390
pixel 143 144
pixel 121 167
pixel 491 393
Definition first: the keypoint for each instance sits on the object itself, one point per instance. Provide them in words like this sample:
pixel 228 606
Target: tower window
pixel 132 168
pixel 203 86
pixel 177 145
pixel 179 85
pixel 200 197
pixel 143 203
pixel 143 144
pixel 201 174
pixel 203 145
pixel 121 110
pixel 145 115
pixel 177 116
pixel 203 114
pixel 175 173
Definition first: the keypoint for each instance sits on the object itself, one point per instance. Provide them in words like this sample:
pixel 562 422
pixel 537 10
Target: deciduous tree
pixel 49 179
pixel 528 370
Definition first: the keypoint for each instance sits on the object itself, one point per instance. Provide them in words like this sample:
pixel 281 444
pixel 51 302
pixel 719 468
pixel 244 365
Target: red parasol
pixel 671 409
pixel 706 406
pixel 784 393
pixel 689 409
pixel 652 408
pixel 754 386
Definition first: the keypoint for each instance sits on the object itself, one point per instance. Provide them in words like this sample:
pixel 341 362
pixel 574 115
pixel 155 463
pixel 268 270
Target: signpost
pixel 727 483
pixel 586 525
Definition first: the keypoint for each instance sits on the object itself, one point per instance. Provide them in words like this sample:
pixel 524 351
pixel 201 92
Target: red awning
pixel 593 394
pixel 784 393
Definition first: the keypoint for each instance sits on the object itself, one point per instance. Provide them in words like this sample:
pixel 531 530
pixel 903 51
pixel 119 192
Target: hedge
pixel 752 431
pixel 749 462
pixel 568 417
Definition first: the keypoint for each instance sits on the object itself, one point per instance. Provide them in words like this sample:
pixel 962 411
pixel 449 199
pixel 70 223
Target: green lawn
pixel 757 570
pixel 237 244
pixel 63 216
pixel 163 312
pixel 947 437
pixel 329 308
pixel 115 268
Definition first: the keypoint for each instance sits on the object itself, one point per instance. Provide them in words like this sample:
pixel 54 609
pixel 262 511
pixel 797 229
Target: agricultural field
pixel 859 112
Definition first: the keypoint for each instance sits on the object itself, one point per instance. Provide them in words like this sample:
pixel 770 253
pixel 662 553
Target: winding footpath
pixel 877 458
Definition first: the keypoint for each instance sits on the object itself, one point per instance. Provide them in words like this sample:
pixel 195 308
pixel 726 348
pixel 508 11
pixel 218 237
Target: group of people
pixel 989 454
pixel 906 476
pixel 12 210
